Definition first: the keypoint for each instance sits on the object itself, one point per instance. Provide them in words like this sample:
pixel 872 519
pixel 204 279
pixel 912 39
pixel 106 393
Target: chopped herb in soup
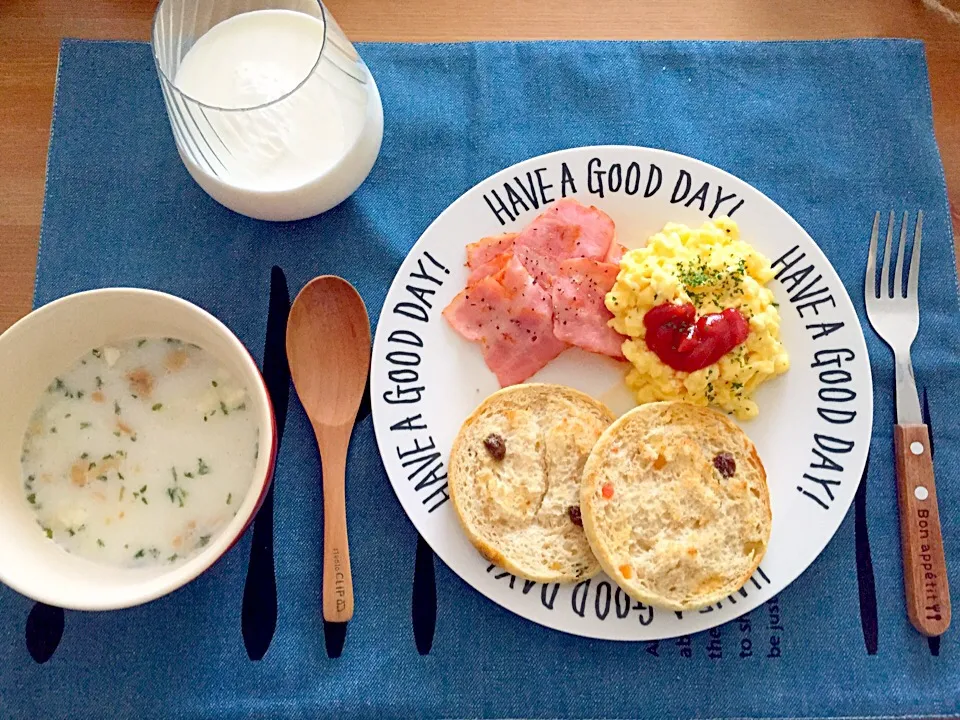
pixel 130 453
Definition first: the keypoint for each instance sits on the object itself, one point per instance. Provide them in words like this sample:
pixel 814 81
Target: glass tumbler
pixel 273 112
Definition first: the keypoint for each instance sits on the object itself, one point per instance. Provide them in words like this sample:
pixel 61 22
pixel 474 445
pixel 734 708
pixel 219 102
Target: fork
pixel 896 317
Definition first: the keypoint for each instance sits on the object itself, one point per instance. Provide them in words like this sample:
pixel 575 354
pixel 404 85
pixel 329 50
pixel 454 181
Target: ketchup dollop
pixel 688 343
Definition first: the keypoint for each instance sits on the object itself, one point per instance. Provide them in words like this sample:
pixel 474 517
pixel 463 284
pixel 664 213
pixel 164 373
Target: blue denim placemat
pixel 831 130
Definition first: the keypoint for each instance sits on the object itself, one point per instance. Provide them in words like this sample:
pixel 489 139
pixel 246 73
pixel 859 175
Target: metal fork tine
pixel 901 251
pixel 914 276
pixel 870 281
pixel 885 272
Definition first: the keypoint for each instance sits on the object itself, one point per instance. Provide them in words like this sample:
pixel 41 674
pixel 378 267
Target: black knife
pixel 258 616
pixel 866 585
pixel 423 600
pixel 44 630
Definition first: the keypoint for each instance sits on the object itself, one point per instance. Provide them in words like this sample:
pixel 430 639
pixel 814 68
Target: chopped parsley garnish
pixel 213 382
pixel 740 270
pixel 703 281
pixel 188 474
pixel 99 382
pixel 173 471
pixel 101 543
pixel 80 394
pixel 177 495
pixel 139 554
pixel 97 352
pixel 108 456
pixel 53 429
pixel 48 532
pixel 116 408
pixel 694 276
pixel 223 408
pixel 229 498
pixel 204 539
pixel 172 558
pixel 84 456
pixel 85 425
pixel 91 466
pixel 32 498
pixel 102 478
pixel 157 406
pixel 142 342
pixel 739 355
pixel 202 467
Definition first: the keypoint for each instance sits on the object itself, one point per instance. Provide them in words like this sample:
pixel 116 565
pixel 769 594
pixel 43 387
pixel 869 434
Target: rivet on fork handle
pixel 924 564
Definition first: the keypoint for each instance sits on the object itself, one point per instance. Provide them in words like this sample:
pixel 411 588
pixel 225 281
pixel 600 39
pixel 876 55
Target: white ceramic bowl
pixel 46 343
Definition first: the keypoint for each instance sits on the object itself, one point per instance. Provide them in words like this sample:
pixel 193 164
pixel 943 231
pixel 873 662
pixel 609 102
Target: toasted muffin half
pixel 514 478
pixel 675 504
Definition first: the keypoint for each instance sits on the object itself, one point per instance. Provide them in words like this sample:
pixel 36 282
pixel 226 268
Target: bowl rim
pixel 181 575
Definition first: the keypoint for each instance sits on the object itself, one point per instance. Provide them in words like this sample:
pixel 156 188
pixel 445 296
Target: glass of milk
pixel 273 112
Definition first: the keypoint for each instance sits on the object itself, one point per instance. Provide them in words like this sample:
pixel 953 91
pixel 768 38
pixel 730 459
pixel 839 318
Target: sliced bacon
pixel 530 295
pixel 580 316
pixel 486 249
pixel 491 267
pixel 615 253
pixel 566 230
pixel 512 319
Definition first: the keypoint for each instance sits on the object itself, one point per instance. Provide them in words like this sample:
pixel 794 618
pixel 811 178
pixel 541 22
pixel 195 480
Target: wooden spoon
pixel 328 347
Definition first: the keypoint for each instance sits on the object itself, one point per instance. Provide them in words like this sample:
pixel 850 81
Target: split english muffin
pixel 675 504
pixel 514 479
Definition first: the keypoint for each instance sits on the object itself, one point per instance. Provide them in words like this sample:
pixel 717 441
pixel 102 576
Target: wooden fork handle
pixel 924 564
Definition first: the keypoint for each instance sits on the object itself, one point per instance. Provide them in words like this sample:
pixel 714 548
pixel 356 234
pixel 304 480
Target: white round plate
pixel 815 421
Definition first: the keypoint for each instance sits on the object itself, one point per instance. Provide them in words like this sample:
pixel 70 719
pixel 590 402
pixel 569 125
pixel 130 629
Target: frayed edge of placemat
pixel 46 172
pixel 943 188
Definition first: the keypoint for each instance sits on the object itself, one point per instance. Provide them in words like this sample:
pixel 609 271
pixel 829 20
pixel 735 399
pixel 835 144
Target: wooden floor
pixel 30 33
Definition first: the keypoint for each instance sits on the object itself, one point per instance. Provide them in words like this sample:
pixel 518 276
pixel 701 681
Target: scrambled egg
pixel 712 268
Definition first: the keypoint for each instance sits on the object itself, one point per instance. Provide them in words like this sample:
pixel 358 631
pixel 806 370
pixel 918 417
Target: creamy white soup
pixel 140 453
